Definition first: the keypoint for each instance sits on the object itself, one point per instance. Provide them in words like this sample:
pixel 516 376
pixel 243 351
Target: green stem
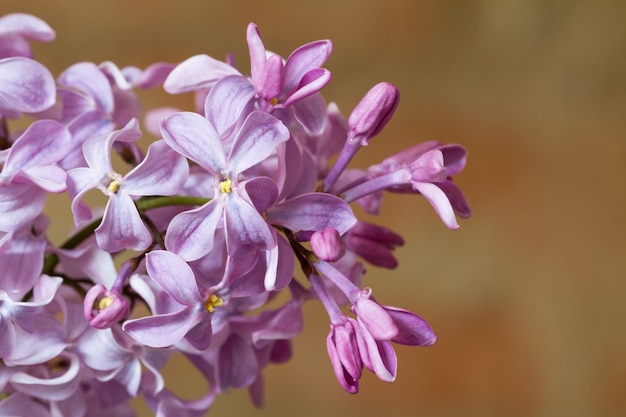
pixel 143 204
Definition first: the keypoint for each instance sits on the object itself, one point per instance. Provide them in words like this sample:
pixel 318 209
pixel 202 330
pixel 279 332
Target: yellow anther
pixel 114 186
pixel 212 302
pixel 274 101
pixel 105 302
pixel 226 186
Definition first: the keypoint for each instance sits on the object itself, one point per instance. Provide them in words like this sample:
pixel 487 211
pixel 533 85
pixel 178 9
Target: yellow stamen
pixel 274 101
pixel 212 302
pixel 105 302
pixel 226 186
pixel 114 186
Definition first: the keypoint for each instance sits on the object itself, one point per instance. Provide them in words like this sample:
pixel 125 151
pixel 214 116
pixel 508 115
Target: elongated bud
pixel 367 119
pixel 373 112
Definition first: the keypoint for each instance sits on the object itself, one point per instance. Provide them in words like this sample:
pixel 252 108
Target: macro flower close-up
pixel 331 208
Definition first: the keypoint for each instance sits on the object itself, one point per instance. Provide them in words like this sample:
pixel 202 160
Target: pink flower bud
pixel 327 245
pixel 373 112
pixel 103 308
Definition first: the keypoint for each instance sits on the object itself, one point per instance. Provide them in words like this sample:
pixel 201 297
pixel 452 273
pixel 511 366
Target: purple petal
pixel 7 337
pixel 271 81
pixel 456 197
pixel 44 142
pixel 18 404
pixel 311 113
pixel 438 199
pixel 20 204
pixel 164 329
pixel 154 75
pixel 200 335
pixel 25 85
pixel 412 329
pixel 311 83
pixel 193 136
pixel 88 78
pixel 281 264
pixel 121 226
pixel 237 363
pixel 313 212
pixel 228 101
pixel 52 389
pixel 245 227
pixel 257 139
pixel 162 172
pixel 191 233
pixel 21 264
pixel 42 343
pixel 261 191
pixel 197 72
pixel 304 59
pixel 50 178
pixel 257 55
pixel 375 318
pixel 428 167
pixel 174 276
pixel 26 25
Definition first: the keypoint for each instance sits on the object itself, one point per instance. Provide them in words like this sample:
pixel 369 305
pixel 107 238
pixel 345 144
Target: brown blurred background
pixel 528 296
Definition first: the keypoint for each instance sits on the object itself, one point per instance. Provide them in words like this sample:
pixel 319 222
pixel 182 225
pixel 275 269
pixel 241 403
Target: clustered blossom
pixel 200 233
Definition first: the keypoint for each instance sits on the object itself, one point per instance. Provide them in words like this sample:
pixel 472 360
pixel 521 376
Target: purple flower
pixel 162 172
pixel 191 234
pixel 425 169
pixel 292 84
pixel 30 172
pixel 192 319
pixel 343 350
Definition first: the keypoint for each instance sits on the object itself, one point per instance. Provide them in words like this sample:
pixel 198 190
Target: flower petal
pixel 25 85
pixel 162 330
pixel 257 139
pixel 174 276
pixel 193 136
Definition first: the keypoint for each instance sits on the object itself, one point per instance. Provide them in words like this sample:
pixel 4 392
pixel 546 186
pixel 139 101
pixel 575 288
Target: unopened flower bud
pixel 373 112
pixel 104 308
pixel 327 245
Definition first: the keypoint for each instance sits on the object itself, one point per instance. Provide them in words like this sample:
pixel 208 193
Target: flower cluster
pixel 200 234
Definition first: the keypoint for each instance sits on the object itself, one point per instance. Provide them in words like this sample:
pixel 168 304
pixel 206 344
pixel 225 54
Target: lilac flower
pixel 30 172
pixel 162 172
pixel 276 84
pixel 112 354
pixel 424 168
pixel 24 324
pixel 95 101
pixel 191 233
pixel 191 320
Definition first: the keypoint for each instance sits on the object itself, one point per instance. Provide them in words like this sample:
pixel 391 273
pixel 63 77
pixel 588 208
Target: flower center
pixel 105 302
pixel 226 186
pixel 212 302
pixel 113 186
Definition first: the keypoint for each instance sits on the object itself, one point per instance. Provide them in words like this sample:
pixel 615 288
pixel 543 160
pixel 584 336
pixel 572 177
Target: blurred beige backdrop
pixel 528 296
